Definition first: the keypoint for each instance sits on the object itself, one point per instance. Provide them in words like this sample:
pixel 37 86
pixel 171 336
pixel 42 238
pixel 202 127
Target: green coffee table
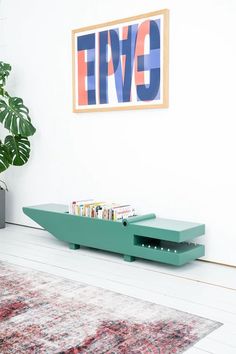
pixel 148 237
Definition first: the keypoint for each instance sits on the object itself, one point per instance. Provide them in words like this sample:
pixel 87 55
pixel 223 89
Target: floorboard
pixel 204 289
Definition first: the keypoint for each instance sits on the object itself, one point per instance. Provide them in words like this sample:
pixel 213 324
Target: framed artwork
pixel 121 64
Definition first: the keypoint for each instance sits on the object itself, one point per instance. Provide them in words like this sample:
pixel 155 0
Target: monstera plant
pixel 15 146
pixel 14 116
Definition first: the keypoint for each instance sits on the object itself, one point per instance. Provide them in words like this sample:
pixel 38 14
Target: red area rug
pixel 41 313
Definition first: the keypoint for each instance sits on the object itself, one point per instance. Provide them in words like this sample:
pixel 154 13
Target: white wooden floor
pixel 201 288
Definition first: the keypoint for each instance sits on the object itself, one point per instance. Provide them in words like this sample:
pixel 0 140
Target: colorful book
pixel 101 210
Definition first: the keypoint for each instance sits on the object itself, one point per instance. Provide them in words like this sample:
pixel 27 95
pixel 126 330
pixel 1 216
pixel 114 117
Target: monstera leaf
pixel 18 148
pixel 15 117
pixel 4 158
pixel 4 72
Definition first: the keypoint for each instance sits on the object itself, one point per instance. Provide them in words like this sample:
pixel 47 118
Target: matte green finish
pixel 137 218
pixel 73 246
pixel 129 258
pixel 155 239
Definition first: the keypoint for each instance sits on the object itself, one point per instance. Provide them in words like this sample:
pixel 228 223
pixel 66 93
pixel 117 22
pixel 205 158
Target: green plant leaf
pixel 4 72
pixel 18 148
pixel 4 158
pixel 15 117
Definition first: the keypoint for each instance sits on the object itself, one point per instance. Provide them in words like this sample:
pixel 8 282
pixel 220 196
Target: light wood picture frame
pixel 123 64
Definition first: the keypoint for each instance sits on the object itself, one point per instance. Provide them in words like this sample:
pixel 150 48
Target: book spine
pixel 101 210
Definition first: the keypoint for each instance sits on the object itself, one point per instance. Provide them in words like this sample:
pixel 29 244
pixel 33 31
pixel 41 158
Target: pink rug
pixel 41 313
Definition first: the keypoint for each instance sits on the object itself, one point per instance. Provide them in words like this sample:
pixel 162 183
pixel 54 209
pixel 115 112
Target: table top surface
pixel 157 223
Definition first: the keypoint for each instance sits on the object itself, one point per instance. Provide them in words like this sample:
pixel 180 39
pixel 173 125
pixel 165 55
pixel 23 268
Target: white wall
pixel 178 162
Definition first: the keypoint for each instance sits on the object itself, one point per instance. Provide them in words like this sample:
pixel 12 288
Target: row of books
pixel 101 210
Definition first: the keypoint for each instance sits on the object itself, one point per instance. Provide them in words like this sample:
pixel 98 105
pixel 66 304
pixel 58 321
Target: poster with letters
pixel 121 64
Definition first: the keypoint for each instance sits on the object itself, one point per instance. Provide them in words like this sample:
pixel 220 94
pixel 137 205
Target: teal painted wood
pixel 129 258
pixel 135 219
pixel 74 246
pixel 154 239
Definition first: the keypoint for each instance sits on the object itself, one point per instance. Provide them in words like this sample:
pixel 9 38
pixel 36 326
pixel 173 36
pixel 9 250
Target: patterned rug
pixel 41 313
